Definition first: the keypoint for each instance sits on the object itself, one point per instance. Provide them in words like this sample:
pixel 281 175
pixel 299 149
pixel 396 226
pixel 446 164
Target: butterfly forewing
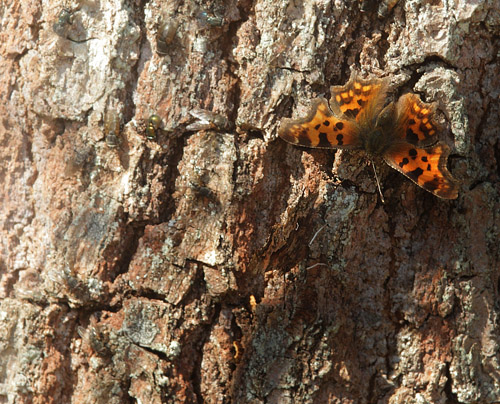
pixel 416 123
pixel 359 99
pixel 320 128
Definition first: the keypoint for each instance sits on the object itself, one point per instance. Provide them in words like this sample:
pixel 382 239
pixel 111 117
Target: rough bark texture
pixel 221 264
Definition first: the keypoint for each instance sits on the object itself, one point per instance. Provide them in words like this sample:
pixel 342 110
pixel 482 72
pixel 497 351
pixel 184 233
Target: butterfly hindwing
pixel 320 128
pixel 426 167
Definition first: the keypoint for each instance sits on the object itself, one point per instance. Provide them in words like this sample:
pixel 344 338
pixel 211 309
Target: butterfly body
pixel 376 137
pixel 375 143
pixel 404 134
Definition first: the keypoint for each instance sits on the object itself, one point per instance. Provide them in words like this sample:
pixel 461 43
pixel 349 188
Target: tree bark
pixel 209 261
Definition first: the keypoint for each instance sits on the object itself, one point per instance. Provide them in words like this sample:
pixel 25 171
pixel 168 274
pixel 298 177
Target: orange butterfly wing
pixel 338 127
pixel 359 99
pixel 416 153
pixel 416 123
pixel 426 167
pixel 320 128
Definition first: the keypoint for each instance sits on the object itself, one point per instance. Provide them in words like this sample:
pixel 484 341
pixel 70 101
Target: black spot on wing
pixel 352 112
pixel 340 139
pixel 426 131
pixel 413 154
pixel 323 140
pixel 404 162
pixel 326 123
pixel 414 174
pixel 339 125
pixel 411 136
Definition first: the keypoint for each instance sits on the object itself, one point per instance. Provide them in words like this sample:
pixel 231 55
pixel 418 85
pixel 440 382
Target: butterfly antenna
pixel 378 182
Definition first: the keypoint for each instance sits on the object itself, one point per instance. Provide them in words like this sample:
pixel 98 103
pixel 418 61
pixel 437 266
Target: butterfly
pixel 404 134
